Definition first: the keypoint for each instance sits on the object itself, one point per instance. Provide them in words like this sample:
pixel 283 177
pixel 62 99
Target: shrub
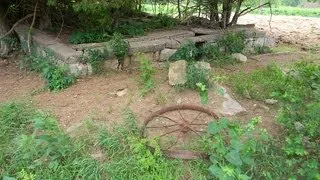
pixel 233 149
pixel 120 47
pixel 212 53
pixel 96 59
pixel 196 74
pixel 146 73
pixel 233 42
pixel 188 52
pixel 79 37
pixel 56 77
pixel 262 49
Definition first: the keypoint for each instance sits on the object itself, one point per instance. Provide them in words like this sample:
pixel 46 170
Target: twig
pixel 15 25
pixel 270 17
pixel 61 28
pixel 248 10
pixel 31 26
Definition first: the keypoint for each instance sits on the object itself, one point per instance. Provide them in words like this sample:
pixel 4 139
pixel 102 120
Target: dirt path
pixel 304 31
pixel 94 97
pixel 15 83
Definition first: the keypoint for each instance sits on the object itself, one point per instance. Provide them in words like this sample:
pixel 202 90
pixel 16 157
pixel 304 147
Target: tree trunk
pixel 236 14
pixel 179 8
pixel 4 46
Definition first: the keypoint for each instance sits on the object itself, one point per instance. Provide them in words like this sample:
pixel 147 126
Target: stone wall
pixel 47 45
pixel 157 45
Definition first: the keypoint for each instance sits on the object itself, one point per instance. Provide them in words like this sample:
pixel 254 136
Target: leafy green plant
pixel 203 92
pixel 232 149
pixel 188 52
pixel 96 59
pixel 120 48
pixel 262 49
pixel 146 73
pixel 197 74
pixel 212 53
pixel 258 84
pixel 233 42
pixel 80 37
pixel 56 77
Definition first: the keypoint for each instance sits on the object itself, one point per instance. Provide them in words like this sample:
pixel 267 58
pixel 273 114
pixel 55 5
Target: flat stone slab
pixel 178 73
pixel 203 31
pixel 147 46
pixel 45 45
pixel 231 107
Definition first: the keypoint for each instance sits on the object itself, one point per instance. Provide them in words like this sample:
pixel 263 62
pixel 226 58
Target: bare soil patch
pixel 304 31
pixel 94 97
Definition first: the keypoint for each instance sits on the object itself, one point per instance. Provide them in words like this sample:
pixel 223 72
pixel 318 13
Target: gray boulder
pixel 166 54
pixel 240 57
pixel 178 73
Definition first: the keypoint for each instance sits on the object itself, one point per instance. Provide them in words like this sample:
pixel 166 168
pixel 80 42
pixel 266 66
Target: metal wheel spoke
pixel 196 117
pixel 154 127
pixel 161 116
pixel 198 124
pixel 181 116
pixel 170 132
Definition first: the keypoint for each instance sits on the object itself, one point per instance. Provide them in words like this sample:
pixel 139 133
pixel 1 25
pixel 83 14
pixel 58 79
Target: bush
pixel 146 73
pixel 212 53
pixel 56 77
pixel 120 47
pixel 233 42
pixel 96 59
pixel 188 52
pixel 80 37
pixel 196 74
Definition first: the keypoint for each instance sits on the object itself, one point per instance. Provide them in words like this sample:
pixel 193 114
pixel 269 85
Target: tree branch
pixel 15 25
pixel 248 10
pixel 31 26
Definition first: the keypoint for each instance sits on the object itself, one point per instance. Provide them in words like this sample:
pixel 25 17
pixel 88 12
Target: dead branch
pixel 31 26
pixel 61 27
pixel 15 25
pixel 248 10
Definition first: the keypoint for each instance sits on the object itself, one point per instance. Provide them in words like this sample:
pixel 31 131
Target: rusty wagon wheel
pixel 177 126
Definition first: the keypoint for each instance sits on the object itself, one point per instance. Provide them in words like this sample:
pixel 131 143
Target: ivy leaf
pixel 216 171
pixel 236 144
pixel 234 158
pixel 213 128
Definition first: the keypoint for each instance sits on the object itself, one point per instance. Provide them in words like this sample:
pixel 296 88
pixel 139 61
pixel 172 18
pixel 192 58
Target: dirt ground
pixel 304 31
pixel 94 97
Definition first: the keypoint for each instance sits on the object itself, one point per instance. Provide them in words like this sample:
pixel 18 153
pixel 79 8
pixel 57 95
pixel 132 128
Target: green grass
pixel 258 84
pixel 33 147
pixel 290 11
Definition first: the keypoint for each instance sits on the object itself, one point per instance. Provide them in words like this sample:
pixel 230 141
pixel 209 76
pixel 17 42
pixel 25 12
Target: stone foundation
pixel 157 46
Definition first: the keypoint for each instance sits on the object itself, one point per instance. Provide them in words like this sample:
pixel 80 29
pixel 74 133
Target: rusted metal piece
pixel 184 154
pixel 183 127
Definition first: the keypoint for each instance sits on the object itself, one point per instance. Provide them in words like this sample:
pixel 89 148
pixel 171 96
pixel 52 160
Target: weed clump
pixel 146 73
pixel 56 77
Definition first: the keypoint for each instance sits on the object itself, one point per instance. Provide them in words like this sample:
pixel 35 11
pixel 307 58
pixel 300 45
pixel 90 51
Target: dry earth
pixel 303 31
pixel 94 97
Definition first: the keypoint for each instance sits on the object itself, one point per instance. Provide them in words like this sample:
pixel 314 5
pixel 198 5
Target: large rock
pixel 240 57
pixel 231 107
pixel 166 54
pixel 178 73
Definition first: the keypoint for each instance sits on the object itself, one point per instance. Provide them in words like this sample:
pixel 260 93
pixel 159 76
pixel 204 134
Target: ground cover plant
pixel 146 75
pixel 290 11
pixel 127 29
pixel 298 94
pixel 57 77
pixel 34 147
